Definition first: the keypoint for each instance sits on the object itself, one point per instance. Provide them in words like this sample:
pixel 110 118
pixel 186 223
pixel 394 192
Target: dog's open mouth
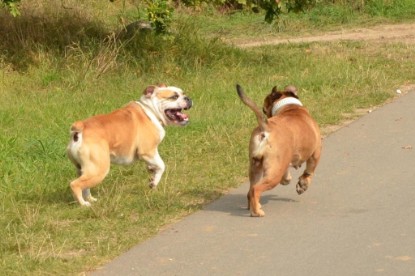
pixel 176 116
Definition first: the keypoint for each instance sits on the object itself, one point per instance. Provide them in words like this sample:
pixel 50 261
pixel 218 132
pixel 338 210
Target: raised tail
pixel 262 122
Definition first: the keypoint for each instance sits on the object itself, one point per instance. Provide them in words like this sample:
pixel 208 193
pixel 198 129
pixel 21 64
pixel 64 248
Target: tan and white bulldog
pixel 131 132
pixel 288 136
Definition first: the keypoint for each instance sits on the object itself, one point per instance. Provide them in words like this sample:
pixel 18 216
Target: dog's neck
pixel 284 102
pixel 150 106
pixel 149 111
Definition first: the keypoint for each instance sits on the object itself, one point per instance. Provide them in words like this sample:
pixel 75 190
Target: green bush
pixel 159 13
pixel 12 6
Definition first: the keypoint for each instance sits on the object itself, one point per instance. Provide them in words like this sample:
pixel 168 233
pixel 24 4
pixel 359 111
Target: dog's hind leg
pixel 81 186
pixel 255 174
pixel 86 194
pixel 269 181
pixel 93 171
pixel 305 179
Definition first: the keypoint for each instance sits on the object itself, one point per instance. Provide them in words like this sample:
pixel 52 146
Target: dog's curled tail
pixel 262 122
pixel 76 131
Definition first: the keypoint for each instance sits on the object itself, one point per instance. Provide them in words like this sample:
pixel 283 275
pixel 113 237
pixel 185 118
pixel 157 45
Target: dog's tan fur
pixel 288 138
pixel 131 132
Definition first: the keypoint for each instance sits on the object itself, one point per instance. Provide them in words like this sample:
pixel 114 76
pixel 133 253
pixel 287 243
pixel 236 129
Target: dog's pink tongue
pixel 183 116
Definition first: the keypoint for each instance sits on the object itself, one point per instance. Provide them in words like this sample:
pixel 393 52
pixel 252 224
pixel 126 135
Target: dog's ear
pixel 149 91
pixel 275 94
pixel 274 90
pixel 291 90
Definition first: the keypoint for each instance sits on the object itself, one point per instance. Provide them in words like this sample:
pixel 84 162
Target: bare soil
pixel 403 33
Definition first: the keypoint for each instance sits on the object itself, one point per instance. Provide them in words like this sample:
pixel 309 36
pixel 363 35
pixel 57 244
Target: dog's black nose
pixel 189 103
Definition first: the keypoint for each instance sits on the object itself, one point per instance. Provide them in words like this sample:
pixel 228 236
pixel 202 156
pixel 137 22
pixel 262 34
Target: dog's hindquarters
pixel 91 160
pixel 75 144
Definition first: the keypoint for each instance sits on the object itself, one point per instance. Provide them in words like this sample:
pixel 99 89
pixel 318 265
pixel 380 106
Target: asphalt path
pixel 357 217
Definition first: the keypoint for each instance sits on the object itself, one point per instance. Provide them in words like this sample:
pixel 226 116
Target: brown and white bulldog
pixel 288 136
pixel 131 132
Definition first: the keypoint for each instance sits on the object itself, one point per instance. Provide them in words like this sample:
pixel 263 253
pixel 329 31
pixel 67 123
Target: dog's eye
pixel 174 97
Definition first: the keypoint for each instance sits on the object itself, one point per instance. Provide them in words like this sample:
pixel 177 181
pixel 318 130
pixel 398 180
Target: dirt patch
pixel 404 33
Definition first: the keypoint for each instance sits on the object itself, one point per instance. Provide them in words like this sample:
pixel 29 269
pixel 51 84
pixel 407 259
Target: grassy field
pixel 53 74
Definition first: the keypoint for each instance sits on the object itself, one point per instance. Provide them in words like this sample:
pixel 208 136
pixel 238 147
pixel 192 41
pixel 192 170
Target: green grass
pixel 325 16
pixel 44 87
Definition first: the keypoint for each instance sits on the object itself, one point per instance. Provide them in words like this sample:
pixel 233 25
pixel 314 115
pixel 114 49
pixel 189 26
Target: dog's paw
pixel 259 213
pixel 302 186
pixel 152 185
pixel 90 198
pixel 86 204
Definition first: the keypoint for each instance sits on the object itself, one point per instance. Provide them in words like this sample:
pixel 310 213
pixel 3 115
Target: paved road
pixel 357 218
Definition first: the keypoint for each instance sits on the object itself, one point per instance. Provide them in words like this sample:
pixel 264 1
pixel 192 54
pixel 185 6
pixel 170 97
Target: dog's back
pixel 294 128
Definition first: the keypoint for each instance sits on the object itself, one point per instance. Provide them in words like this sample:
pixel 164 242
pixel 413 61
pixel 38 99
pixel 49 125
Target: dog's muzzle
pixel 176 116
pixel 189 103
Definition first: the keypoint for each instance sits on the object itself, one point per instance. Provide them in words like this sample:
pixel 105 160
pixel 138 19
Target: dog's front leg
pixel 156 167
pixel 305 179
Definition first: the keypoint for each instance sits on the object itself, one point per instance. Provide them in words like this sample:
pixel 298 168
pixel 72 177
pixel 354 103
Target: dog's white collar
pixel 284 102
pixel 158 123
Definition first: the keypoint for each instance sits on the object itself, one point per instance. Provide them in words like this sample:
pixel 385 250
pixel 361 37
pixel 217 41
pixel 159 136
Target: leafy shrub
pixel 159 14
pixel 12 5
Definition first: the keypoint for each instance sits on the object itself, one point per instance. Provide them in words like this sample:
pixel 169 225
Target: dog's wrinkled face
pixel 275 96
pixel 169 102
